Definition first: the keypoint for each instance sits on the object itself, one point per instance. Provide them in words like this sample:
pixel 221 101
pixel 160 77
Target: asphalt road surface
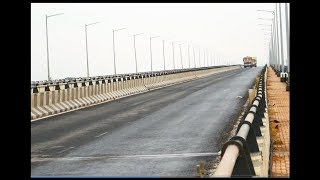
pixel 165 132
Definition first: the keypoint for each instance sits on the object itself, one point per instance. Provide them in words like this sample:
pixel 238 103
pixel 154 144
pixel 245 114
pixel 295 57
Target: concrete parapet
pixel 55 98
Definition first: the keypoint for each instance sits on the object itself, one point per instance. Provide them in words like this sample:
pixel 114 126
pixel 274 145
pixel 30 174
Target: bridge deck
pixel 165 132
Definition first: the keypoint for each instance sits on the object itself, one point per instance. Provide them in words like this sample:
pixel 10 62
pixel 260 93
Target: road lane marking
pixel 65 150
pixel 53 147
pixel 37 159
pixel 101 134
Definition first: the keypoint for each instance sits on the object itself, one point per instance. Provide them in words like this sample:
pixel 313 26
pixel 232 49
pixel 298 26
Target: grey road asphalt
pixel 165 132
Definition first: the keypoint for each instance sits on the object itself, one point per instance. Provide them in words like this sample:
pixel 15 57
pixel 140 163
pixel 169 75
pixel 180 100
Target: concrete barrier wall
pixel 64 97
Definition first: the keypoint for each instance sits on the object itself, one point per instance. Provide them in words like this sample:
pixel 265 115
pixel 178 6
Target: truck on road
pixel 249 61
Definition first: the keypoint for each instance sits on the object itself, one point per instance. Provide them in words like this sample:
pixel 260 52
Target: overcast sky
pixel 229 30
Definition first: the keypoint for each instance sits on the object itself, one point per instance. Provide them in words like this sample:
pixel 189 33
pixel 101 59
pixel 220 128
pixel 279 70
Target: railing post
pixel 243 166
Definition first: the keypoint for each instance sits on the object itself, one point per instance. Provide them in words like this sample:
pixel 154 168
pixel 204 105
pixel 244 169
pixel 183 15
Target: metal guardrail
pixel 130 75
pixel 235 154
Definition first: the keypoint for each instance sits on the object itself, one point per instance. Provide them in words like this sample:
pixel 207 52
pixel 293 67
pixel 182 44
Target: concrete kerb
pixel 266 152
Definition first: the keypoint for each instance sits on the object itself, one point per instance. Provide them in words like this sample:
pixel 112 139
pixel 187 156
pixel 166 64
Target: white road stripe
pixel 101 134
pixel 65 150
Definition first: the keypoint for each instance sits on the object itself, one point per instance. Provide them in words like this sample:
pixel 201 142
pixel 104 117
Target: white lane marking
pixel 56 147
pixel 101 134
pixel 37 159
pixel 65 150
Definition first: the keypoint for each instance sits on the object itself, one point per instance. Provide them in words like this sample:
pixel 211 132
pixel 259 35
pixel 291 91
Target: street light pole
pixel 274 40
pixel 48 65
pixel 135 51
pixel 194 57
pixel 87 51
pixel 217 58
pixel 204 57
pixel 199 57
pixel 86 25
pixel 211 58
pixel 114 50
pixel 277 45
pixel 181 54
pixel 47 38
pixel 114 54
pixel 164 59
pixel 288 37
pixel 163 54
pixel 288 46
pixel 205 61
pixel 281 40
pixel 207 57
pixel 151 54
pixel 277 41
pixel 174 67
pixel 151 49
pixel 274 43
pixel 189 55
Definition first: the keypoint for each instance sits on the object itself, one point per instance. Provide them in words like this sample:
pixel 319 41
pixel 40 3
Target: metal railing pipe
pixel 244 130
pixel 228 161
pixel 249 117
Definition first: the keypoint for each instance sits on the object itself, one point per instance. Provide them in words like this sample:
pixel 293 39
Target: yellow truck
pixel 250 61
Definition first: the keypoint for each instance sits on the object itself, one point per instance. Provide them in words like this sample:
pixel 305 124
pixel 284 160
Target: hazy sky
pixel 230 30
